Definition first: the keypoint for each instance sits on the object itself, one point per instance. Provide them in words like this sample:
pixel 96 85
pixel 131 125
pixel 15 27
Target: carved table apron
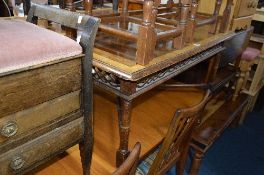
pixel 130 82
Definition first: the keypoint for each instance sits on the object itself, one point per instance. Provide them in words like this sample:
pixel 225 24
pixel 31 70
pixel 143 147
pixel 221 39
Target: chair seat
pixel 24 45
pixel 144 165
pixel 250 54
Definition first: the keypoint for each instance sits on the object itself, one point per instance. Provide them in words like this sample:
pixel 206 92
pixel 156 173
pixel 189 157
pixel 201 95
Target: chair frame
pixel 175 146
pixel 154 17
pixel 129 166
pixel 89 26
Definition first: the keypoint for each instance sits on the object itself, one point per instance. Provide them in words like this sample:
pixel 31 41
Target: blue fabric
pixel 145 164
pixel 239 151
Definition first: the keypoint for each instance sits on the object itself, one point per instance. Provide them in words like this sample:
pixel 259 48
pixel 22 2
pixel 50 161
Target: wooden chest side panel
pixel 241 23
pixel 41 114
pixel 26 89
pixel 44 147
pixel 245 8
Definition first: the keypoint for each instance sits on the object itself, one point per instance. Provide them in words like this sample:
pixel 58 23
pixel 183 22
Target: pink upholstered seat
pixel 250 54
pixel 24 45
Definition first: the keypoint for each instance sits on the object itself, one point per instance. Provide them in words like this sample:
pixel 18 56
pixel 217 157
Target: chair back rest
pixel 179 129
pixel 89 26
pixel 130 165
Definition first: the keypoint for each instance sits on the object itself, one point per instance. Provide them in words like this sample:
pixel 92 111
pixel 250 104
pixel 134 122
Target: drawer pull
pixel 9 129
pixel 17 162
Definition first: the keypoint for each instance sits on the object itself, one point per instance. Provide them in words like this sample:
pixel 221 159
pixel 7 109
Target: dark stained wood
pixel 205 135
pixel 41 114
pixel 146 43
pixel 191 22
pixel 173 144
pixel 38 88
pixel 124 108
pixel 41 148
pixel 53 81
pixel 216 16
pixel 130 164
pixel 226 16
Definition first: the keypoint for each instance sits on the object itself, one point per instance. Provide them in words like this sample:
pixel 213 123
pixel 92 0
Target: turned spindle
pixel 124 10
pixel 226 16
pixel 213 27
pixel 192 23
pixel 170 4
pixel 184 7
pixel 146 35
pixel 69 5
pixel 88 6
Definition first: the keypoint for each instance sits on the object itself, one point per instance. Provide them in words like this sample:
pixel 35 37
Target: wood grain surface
pixel 151 115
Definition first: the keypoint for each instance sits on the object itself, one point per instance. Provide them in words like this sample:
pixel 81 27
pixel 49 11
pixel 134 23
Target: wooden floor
pixel 150 117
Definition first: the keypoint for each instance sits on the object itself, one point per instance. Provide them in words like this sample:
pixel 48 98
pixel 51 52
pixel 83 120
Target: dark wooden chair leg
pixel 147 35
pixel 196 163
pixel 179 42
pixel 226 15
pixel 216 15
pixel 191 22
pixel 180 165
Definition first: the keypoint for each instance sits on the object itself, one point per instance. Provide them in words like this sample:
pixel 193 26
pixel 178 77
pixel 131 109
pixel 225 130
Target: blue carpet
pixel 239 151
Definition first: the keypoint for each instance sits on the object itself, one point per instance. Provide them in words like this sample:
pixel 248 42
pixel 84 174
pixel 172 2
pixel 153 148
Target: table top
pixel 116 64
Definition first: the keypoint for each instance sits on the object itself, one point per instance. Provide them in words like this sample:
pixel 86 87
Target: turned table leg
pixel 196 163
pixel 124 116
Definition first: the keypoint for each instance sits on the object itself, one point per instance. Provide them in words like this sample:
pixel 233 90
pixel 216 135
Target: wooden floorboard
pixel 151 115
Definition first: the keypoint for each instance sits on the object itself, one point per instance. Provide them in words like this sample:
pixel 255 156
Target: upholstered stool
pixel 31 46
pixel 247 60
pixel 45 89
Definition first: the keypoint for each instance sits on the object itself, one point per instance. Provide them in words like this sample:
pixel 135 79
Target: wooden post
pixel 69 31
pixel 212 68
pixel 88 6
pixel 180 41
pixel 115 5
pixel 196 163
pixel 192 23
pixel 226 16
pixel 69 5
pixel 170 4
pixel 147 36
pixel 124 10
pixel 216 16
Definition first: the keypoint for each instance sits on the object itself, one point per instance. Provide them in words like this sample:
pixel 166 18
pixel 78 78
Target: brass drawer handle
pixel 9 129
pixel 17 163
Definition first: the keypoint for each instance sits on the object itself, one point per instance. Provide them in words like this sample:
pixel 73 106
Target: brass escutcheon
pixel 9 129
pixel 17 162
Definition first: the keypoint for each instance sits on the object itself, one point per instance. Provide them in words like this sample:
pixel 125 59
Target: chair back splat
pixel 178 131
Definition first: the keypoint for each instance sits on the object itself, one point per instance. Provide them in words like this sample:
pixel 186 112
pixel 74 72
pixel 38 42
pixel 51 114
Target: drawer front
pixel 23 90
pixel 241 23
pixel 245 8
pixel 33 153
pixel 13 126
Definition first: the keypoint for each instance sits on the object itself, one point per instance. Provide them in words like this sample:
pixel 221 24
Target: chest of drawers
pixel 45 90
pixel 242 11
pixel 40 114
